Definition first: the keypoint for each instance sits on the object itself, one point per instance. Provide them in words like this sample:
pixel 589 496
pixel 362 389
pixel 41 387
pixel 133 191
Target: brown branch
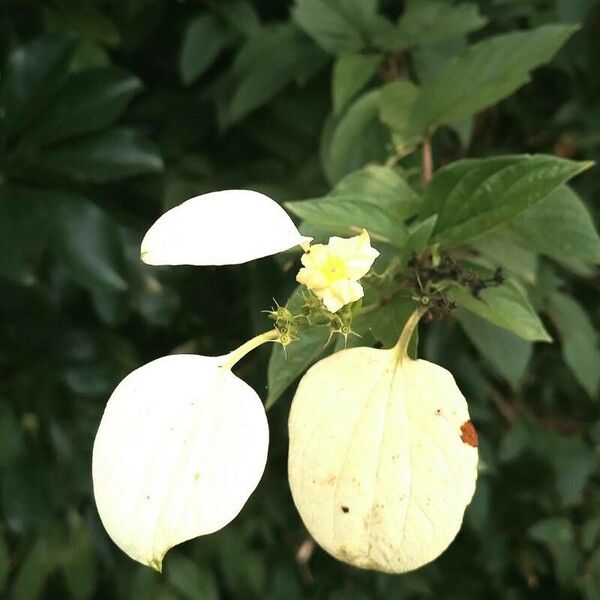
pixel 427 172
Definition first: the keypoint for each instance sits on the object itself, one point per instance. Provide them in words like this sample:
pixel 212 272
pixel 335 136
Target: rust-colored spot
pixel 468 434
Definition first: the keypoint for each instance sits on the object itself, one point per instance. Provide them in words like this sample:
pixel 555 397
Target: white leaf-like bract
pixel 220 228
pixel 383 458
pixel 181 446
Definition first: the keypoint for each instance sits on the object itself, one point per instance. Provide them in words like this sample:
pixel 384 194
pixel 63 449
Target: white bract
pixel 220 228
pixel 181 446
pixel 383 458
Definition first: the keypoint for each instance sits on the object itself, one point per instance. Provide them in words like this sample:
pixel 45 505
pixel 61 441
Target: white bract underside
pixel 377 467
pixel 220 228
pixel 181 446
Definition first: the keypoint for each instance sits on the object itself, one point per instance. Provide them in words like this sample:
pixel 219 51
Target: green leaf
pixel 193 580
pixel 555 530
pixel 579 340
pixel 285 367
pixel 80 562
pixel 11 438
pixel 259 78
pixel 87 242
pixel 474 195
pixel 559 226
pixel 204 39
pixel 395 105
pixel 505 306
pixel 377 198
pixel 339 26
pixel 435 20
pixel 33 75
pixel 24 229
pixel 505 352
pixel 4 563
pixel 485 73
pixel 36 568
pixel 357 137
pixel 351 72
pixel 89 101
pixel 574 464
pixel 240 15
pixel 111 155
pixel 386 323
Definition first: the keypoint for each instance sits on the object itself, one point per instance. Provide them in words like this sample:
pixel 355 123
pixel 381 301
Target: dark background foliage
pixel 112 111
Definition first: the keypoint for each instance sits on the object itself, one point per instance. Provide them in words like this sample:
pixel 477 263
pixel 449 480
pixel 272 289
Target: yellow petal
pixel 220 228
pixel 180 448
pixel 383 458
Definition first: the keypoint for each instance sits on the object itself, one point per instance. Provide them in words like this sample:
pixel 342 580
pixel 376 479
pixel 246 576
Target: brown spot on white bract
pixel 468 434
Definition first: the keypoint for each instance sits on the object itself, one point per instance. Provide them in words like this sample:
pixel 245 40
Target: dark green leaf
pixel 87 242
pixel 191 579
pixel 386 323
pixel 89 101
pixel 4 563
pixel 351 72
pixel 116 154
pixel 579 340
pixel 506 353
pixel 435 20
pixel 286 367
pixel 240 15
pixel 80 562
pixel 485 73
pixel 474 195
pixel 39 563
pixel 33 75
pixel 204 39
pixel 505 306
pixel 395 104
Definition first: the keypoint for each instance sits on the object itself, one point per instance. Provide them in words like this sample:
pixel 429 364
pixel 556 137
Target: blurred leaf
pixel 31 577
pixel 505 306
pixel 474 195
pixel 558 226
pixel 418 237
pixel 339 26
pixel 555 530
pixel 24 228
pixel 285 367
pixel 395 105
pixel 435 20
pixel 574 464
pixel 579 340
pixel 485 73
pixel 357 137
pixel 507 353
pixel 112 155
pixel 33 75
pixel 87 242
pixel 351 73
pixel 89 101
pixel 80 562
pixel 4 563
pixel 11 440
pixel 240 15
pixel 191 579
pixel 259 78
pixel 592 577
pixel 203 41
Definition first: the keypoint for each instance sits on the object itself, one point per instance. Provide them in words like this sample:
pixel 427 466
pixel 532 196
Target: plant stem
pixel 255 342
pixel 401 348
pixel 427 172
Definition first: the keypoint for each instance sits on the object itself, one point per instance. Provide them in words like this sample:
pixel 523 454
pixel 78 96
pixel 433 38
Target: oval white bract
pixel 220 228
pixel 382 459
pixel 180 448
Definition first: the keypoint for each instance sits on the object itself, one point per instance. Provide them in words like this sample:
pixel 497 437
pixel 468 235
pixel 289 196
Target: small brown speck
pixel 438 411
pixel 468 434
pixel 345 509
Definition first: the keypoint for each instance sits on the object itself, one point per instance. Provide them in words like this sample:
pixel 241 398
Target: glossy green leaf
pixel 559 226
pixel 87 242
pixel 395 105
pixel 259 78
pixel 357 137
pixel 474 195
pixel 339 26
pixel 89 101
pixel 107 156
pixel 579 340
pixel 505 306
pixel 505 352
pixel 204 39
pixel 435 20
pixel 24 229
pixel 285 367
pixel 351 73
pixel 485 73
pixel 34 73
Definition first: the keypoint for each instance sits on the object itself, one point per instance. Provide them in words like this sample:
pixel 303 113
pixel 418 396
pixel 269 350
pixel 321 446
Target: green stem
pixel 255 342
pixel 401 347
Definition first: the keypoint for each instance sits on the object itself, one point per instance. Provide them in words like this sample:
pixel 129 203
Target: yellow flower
pixel 332 271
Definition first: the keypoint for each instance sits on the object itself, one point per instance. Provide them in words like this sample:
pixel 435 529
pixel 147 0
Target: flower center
pixel 334 268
